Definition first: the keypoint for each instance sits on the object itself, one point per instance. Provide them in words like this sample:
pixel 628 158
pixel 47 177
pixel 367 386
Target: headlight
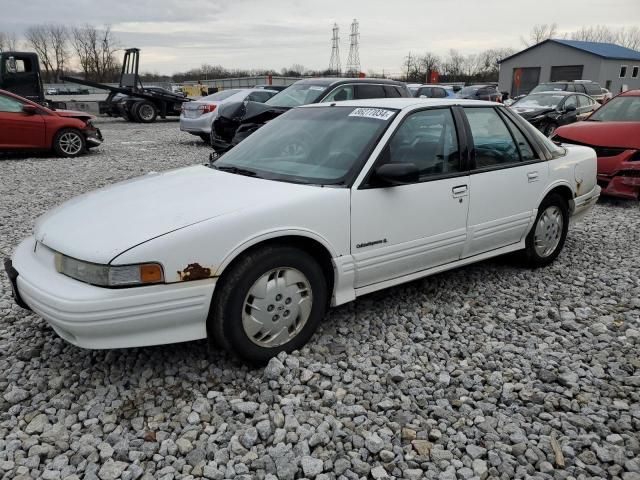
pixel 109 275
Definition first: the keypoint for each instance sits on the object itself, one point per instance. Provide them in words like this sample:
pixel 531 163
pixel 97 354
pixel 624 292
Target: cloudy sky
pixel 176 35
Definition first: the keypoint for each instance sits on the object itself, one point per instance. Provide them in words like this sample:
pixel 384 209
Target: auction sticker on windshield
pixel 379 113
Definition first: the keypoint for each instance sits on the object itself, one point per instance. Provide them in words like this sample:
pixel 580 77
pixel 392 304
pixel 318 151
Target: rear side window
pixel 392 92
pixel 593 89
pixel 493 144
pixel 526 150
pixel 369 91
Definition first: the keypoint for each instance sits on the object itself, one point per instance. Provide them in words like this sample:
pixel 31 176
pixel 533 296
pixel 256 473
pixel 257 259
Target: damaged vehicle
pixel 549 110
pixel 26 125
pixel 323 204
pixel 236 121
pixel 613 131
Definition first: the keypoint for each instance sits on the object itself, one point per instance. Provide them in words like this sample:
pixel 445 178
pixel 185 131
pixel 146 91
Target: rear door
pixel 19 129
pixel 506 182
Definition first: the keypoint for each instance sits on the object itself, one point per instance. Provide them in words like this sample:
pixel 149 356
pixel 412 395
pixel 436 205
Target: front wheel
pixel 69 142
pixel 549 129
pixel 549 232
pixel 271 300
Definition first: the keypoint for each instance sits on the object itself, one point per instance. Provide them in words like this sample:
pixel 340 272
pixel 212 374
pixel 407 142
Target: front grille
pixel 601 152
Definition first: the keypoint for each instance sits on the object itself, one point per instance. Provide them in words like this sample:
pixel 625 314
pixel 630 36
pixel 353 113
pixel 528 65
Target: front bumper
pixel 94 137
pixel 96 317
pixel 582 204
pixel 619 175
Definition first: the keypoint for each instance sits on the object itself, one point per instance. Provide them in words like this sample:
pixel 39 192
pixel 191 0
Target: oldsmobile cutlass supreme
pixel 323 204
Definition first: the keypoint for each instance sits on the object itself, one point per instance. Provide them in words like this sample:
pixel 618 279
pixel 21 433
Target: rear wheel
pixel 271 300
pixel 549 232
pixel 69 142
pixel 145 111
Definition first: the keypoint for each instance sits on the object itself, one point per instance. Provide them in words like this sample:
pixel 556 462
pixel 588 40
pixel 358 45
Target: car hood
pixel 74 114
pixel 603 134
pixel 100 225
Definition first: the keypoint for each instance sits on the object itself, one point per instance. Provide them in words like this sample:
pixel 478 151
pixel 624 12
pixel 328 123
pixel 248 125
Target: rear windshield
pixel 550 87
pixel 297 95
pixel 221 95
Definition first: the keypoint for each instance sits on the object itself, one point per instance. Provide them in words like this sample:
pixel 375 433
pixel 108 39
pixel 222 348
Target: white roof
pixel 404 102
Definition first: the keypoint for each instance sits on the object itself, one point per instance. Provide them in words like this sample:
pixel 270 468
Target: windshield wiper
pixel 236 170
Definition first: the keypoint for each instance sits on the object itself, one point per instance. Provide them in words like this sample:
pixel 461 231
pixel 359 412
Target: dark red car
pixel 25 125
pixel 613 131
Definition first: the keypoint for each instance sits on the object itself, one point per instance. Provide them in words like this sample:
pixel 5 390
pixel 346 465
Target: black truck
pixel 20 74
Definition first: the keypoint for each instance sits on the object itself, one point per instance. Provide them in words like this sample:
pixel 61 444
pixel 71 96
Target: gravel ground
pixel 487 371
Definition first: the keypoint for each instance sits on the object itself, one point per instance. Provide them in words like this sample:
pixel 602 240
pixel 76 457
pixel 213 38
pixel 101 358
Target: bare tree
pixel 8 42
pixel 627 37
pixel 50 43
pixel 630 37
pixel 454 64
pixel 95 50
pixel 540 33
pixel 429 63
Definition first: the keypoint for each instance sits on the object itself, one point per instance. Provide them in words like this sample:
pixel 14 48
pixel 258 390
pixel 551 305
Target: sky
pixel 176 35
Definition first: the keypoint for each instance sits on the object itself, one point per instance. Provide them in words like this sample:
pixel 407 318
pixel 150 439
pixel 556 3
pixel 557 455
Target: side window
pixel 492 141
pixel 571 87
pixel 427 139
pixel 581 88
pixel 425 91
pixel 584 102
pixel 369 91
pixel 344 92
pixel 593 89
pixel 10 105
pixel 571 101
pixel 526 150
pixel 391 91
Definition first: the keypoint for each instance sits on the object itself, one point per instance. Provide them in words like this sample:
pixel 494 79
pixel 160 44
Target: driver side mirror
pixel 397 174
pixel 570 108
pixel 30 109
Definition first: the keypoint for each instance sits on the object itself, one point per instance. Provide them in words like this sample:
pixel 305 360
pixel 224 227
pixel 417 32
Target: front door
pixel 399 230
pixel 506 182
pixel 19 129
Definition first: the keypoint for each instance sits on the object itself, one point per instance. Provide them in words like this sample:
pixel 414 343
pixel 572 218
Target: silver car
pixel 197 117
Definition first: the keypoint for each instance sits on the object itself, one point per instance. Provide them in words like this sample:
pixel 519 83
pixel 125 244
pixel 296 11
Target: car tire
pixel 145 111
pixel 270 300
pixel 549 129
pixel 549 232
pixel 69 142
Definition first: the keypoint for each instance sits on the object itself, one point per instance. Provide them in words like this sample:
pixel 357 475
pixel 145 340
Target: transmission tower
pixel 334 63
pixel 353 62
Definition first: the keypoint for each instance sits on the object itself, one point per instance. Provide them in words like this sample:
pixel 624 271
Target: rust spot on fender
pixel 194 271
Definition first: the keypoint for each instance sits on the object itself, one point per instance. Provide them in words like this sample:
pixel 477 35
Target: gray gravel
pixel 490 371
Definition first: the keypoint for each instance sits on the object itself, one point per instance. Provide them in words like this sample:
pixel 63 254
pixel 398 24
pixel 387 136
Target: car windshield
pixel 216 97
pixel 468 91
pixel 297 95
pixel 309 145
pixel 620 109
pixel 539 101
pixel 550 87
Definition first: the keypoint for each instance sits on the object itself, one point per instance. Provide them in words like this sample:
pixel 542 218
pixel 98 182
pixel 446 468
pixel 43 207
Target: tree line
pixel 91 52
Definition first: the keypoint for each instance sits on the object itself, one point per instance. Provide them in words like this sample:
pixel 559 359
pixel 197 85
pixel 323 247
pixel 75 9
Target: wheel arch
pixel 561 188
pixel 313 244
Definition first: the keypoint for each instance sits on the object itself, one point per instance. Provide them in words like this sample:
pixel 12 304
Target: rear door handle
pixel 459 191
pixel 532 176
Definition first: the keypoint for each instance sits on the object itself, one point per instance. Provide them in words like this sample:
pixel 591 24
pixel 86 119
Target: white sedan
pixel 197 117
pixel 323 204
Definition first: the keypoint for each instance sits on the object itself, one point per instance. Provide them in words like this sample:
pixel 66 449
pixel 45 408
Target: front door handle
pixel 459 191
pixel 532 176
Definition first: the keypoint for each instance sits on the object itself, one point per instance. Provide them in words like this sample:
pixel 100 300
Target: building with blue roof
pixel 614 67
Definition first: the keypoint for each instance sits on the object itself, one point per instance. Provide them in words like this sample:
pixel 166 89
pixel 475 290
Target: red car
pixel 25 125
pixel 613 131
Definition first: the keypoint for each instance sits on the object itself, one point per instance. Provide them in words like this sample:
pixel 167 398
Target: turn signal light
pixel 150 273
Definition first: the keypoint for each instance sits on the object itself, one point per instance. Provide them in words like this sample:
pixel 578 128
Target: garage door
pixel 566 72
pixel 524 79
